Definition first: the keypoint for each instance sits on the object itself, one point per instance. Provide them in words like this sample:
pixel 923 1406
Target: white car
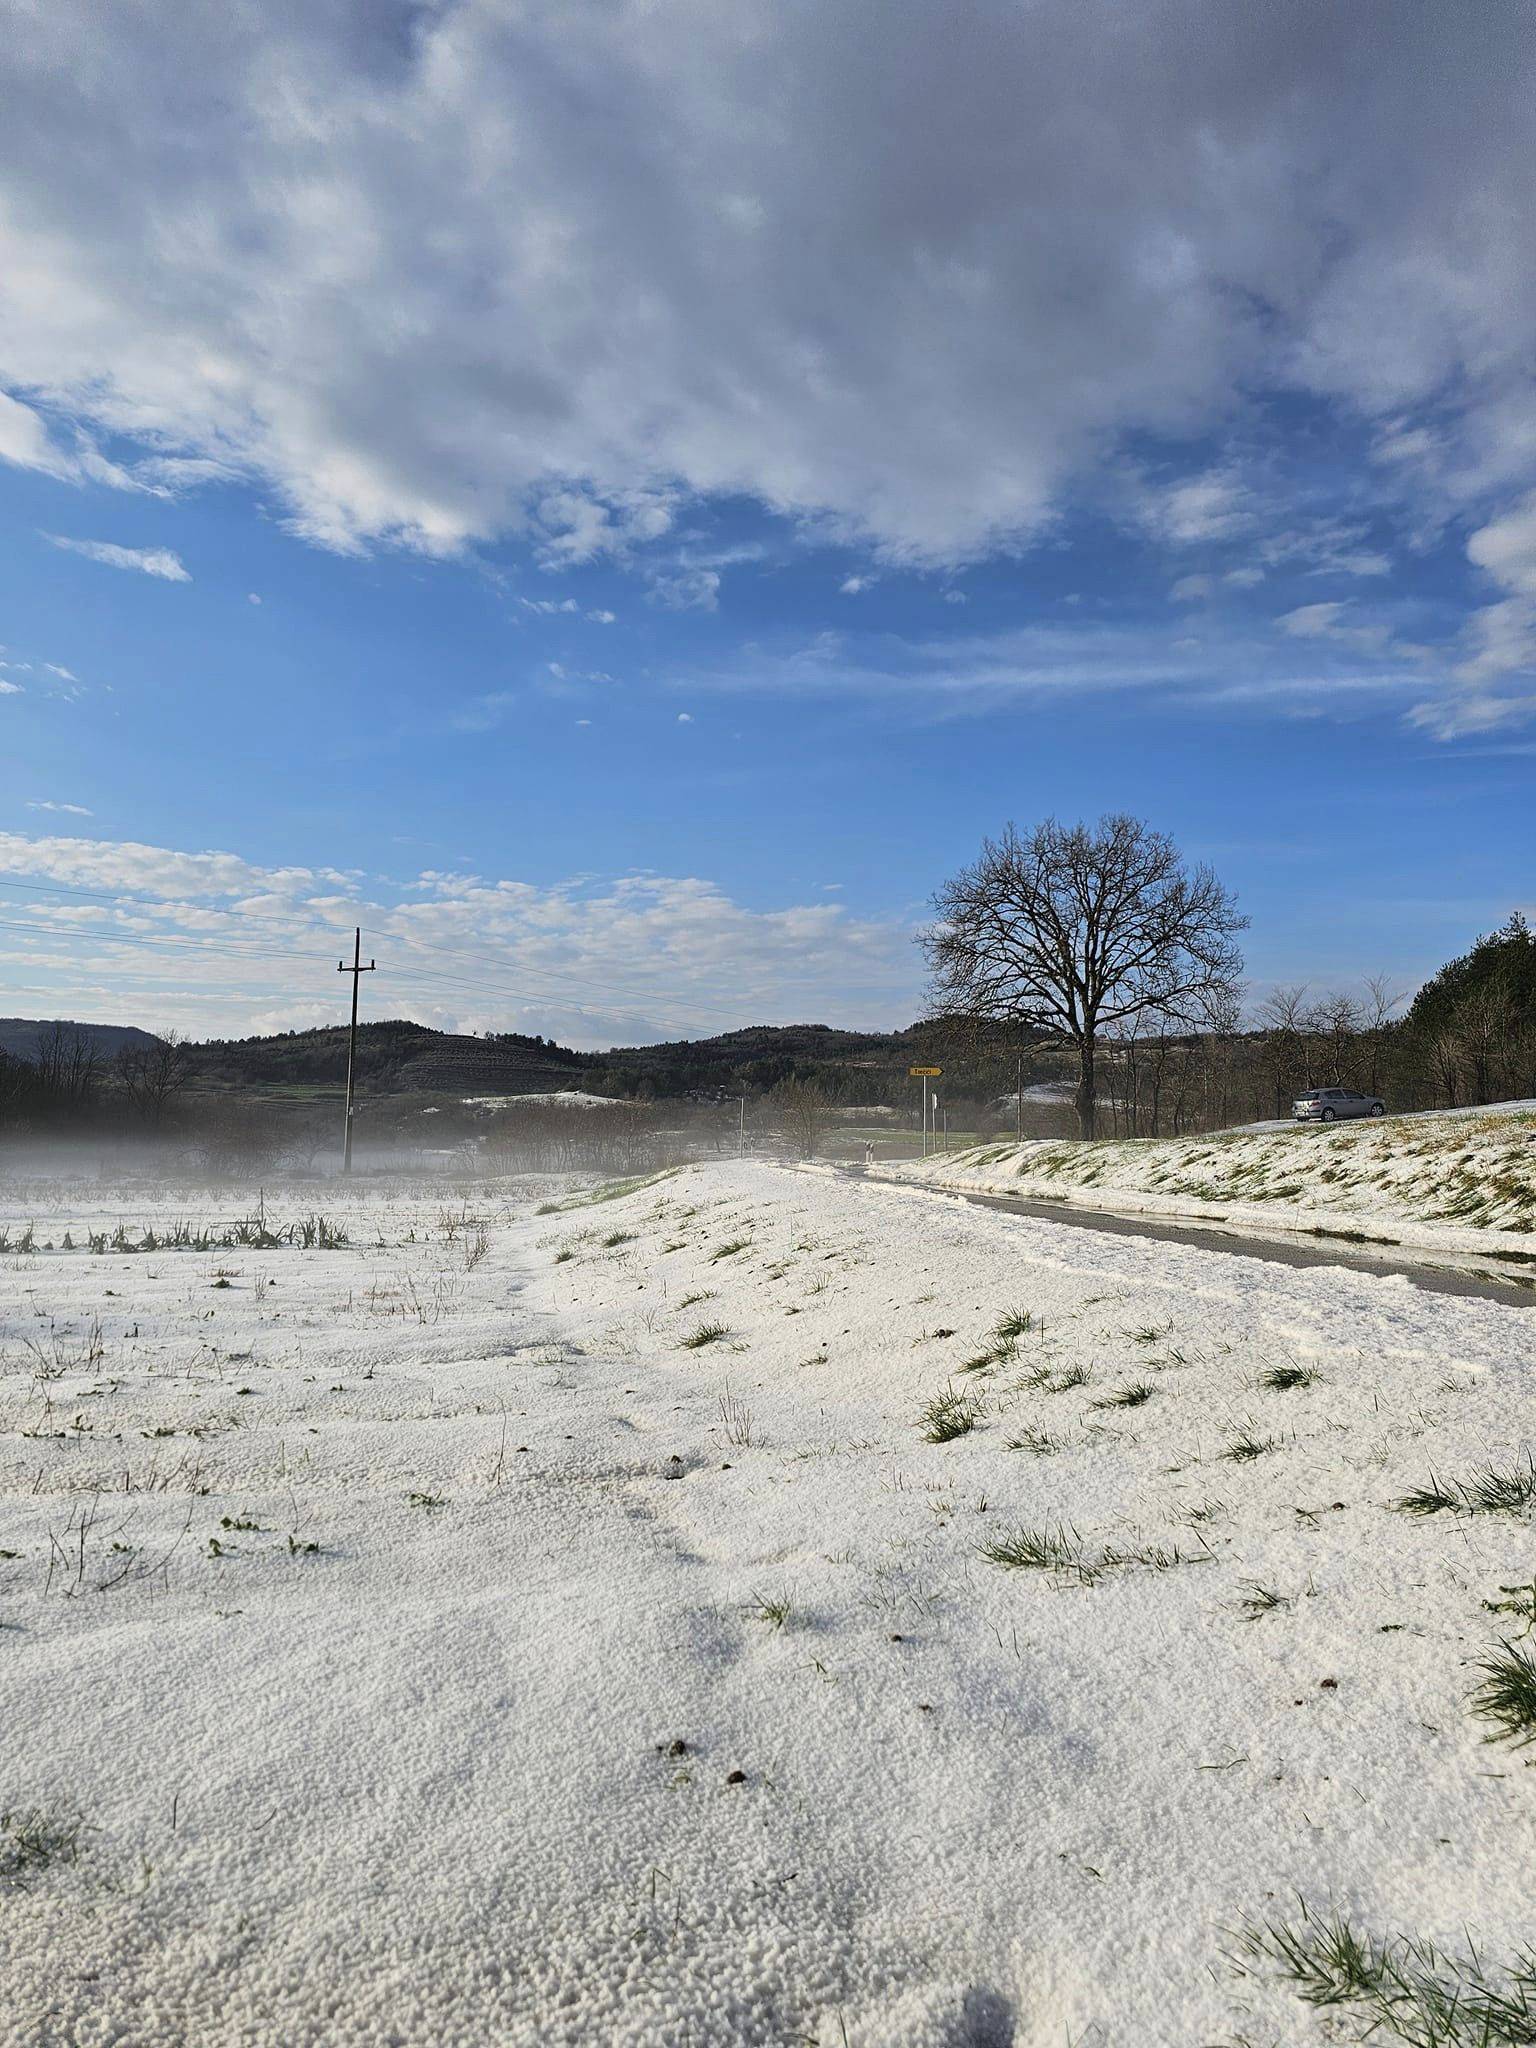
pixel 1325 1105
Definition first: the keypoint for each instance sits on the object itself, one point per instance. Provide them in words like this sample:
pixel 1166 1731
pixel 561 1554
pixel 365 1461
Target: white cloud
pixel 1191 589
pixel 1341 622
pixel 63 674
pixel 1506 549
pixel 1311 621
pixel 26 441
pixel 544 606
pixel 916 333
pixel 685 718
pixel 852 586
pixel 148 561
pixel 1329 666
pixel 1212 507
pixel 10 689
pixel 46 804
pixel 251 597
pixel 602 618
pixel 596 962
pixel 687 590
pixel 1496 674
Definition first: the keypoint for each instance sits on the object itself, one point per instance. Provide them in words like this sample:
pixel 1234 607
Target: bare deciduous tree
pixel 67 1066
pixel 1381 999
pixel 802 1116
pixel 150 1075
pixel 1078 932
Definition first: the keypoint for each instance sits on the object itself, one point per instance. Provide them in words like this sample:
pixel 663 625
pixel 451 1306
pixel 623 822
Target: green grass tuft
pixel 1072 1376
pixel 776 1608
pixel 31 1840
pixel 1259 1601
pixel 1012 1324
pixel 947 1416
pixel 706 1333
pixel 1283 1377
pixel 1051 1549
pixel 1507 1697
pixel 1489 1492
pixel 1127 1397
pixel 1396 1989
pixel 1244 1447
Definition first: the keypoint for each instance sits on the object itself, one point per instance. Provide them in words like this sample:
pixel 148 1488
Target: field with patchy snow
pixel 1464 1182
pixel 751 1608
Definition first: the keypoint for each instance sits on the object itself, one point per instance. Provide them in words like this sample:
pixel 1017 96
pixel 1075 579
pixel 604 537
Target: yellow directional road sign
pixel 915 1071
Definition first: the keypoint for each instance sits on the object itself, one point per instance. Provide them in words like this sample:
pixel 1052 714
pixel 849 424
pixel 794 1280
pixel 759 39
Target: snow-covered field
pixel 520 1628
pixel 1462 1182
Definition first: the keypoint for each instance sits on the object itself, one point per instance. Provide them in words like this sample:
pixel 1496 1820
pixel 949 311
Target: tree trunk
pixel 1087 1099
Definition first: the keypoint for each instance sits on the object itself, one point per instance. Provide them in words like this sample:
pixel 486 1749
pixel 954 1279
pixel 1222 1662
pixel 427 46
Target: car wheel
pixel 1327 1116
pixel 1378 1109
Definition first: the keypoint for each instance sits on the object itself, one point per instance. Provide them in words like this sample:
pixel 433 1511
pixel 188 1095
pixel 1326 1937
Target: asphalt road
pixel 1435 1274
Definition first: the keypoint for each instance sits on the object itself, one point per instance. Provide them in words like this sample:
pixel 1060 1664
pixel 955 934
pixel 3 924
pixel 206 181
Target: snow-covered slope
pixel 1459 1182
pixel 563 1629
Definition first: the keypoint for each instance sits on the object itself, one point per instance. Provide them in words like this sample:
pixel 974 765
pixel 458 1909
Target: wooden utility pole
pixel 354 970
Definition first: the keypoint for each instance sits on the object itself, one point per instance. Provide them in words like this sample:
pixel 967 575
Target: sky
pixel 617 500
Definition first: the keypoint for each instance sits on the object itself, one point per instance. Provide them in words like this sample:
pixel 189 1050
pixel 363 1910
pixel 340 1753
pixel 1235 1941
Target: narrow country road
pixel 1435 1273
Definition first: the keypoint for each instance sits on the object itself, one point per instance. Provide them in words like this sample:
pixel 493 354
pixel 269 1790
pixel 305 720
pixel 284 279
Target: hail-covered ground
pixel 1462 1182
pixel 751 1607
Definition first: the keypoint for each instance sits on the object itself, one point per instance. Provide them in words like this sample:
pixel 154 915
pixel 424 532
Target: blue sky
pixel 631 603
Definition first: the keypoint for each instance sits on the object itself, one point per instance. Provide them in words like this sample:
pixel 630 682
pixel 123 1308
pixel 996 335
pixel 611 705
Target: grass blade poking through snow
pixel 706 1333
pixel 947 1416
pixel 1035 1550
pixel 1396 1989
pixel 31 1840
pixel 1507 1697
pixel 1126 1397
pixel 1282 1378
pixel 1489 1492
pixel 1014 1323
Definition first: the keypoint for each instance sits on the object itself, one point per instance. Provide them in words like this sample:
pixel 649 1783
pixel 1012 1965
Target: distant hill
pixel 19 1035
pixel 852 1066
pixel 394 1056
pixel 397 1057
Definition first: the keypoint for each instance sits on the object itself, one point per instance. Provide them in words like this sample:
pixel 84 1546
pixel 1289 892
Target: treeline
pixel 69 1078
pixel 1468 1037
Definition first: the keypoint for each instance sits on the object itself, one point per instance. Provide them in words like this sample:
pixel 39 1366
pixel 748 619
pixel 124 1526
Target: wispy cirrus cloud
pixel 160 562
